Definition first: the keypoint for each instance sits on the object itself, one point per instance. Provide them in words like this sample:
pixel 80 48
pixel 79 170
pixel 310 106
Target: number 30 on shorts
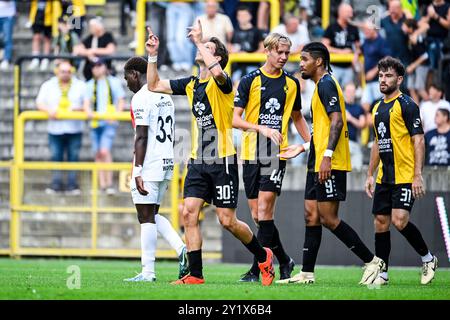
pixel 223 192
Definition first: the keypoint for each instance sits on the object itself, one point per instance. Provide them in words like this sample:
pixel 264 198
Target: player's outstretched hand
pixel 195 32
pixel 291 151
pixel 152 43
pixel 418 189
pixel 369 186
pixel 325 169
pixel 140 186
pixel 272 134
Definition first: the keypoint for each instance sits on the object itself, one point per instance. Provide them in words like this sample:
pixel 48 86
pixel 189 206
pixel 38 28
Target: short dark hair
pixel 319 50
pixel 411 23
pixel 221 51
pixel 437 86
pixel 389 62
pixel 242 8
pixel 445 112
pixel 138 64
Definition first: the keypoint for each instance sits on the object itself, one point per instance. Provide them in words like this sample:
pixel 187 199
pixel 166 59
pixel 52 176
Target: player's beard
pixel 389 89
pixel 305 76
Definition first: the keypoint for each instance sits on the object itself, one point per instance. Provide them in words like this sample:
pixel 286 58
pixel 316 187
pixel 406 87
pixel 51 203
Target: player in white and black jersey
pixel 153 119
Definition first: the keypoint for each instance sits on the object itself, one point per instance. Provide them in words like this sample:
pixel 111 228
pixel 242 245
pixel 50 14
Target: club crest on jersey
pixel 272 105
pixel 199 108
pixel 382 129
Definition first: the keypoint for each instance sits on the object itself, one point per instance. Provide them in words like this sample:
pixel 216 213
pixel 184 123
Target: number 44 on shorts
pixel 276 176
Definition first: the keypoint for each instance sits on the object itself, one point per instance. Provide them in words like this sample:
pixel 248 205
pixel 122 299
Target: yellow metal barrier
pixel 261 57
pixel 16 191
pixel 141 17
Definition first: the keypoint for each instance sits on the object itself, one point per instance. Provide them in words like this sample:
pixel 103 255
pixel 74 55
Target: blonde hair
pixel 273 40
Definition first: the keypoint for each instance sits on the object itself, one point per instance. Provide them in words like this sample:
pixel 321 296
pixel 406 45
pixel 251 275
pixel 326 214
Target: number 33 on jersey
pixel 156 111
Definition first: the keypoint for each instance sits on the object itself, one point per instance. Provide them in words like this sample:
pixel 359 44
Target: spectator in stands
pixel 104 94
pixel 246 38
pixel 67 38
pixel 356 121
pixel 342 37
pixel 393 32
pixel 76 10
pixel 438 19
pixel 417 69
pixel 428 108
pixel 437 141
pixel 179 16
pixel 58 95
pixel 127 8
pixel 363 8
pixel 374 49
pixel 98 44
pixel 298 35
pixel 7 19
pixel 216 24
pixel 41 17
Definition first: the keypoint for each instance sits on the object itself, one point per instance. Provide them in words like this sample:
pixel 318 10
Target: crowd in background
pixel 416 32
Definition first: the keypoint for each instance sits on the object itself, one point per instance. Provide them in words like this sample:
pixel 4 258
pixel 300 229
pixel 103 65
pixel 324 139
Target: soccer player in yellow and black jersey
pixel 399 144
pixel 328 164
pixel 270 97
pixel 212 170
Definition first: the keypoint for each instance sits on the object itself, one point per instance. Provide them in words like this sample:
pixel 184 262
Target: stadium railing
pixel 18 166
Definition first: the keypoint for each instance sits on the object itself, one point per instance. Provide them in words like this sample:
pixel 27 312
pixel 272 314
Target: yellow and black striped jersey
pixel 212 112
pixel 268 100
pixel 328 98
pixel 395 121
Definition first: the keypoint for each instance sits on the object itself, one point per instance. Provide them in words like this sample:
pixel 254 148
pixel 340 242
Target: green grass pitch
pixel 102 279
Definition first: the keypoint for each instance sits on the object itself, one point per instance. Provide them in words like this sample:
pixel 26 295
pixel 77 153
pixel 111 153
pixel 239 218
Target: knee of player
pixel 381 223
pixel 329 223
pixel 146 218
pixel 227 222
pixel 399 222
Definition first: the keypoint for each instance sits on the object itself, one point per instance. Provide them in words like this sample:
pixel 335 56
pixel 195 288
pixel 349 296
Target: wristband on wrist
pixel 152 59
pixel 306 146
pixel 328 153
pixel 137 171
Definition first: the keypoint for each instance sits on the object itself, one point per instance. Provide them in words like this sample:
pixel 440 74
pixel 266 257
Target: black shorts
pixel 41 29
pixel 334 189
pixel 215 183
pixel 263 177
pixel 392 196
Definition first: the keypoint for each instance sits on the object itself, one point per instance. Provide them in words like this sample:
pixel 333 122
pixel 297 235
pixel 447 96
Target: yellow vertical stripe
pixel 291 93
pixel 402 146
pixel 250 138
pixel 194 127
pixel 222 111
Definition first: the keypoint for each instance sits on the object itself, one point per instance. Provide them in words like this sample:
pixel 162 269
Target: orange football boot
pixel 188 279
pixel 266 268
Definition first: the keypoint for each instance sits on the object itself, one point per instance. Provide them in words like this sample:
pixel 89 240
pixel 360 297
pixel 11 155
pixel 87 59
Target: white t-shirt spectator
pixel 50 96
pixel 428 112
pixel 7 9
pixel 217 27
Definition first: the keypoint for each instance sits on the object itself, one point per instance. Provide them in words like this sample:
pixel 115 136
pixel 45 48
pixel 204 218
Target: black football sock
pixel 350 238
pixel 277 247
pixel 383 246
pixel 313 237
pixel 195 263
pixel 414 237
pixel 258 251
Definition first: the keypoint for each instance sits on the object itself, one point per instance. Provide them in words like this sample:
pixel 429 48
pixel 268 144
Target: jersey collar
pixel 270 75
pixel 393 98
